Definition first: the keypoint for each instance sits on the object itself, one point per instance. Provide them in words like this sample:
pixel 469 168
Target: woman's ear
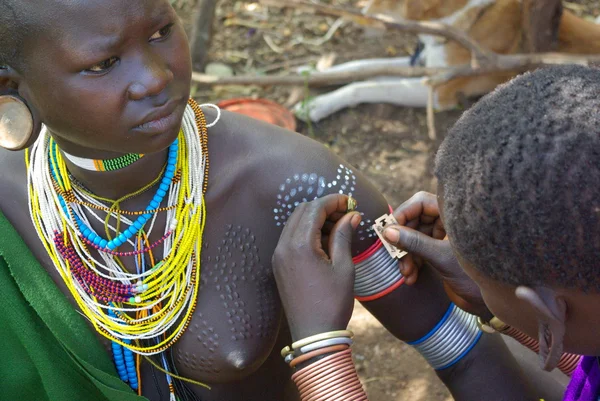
pixel 18 127
pixel 551 313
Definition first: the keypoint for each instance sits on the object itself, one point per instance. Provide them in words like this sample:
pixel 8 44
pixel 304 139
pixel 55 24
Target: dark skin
pixel 329 285
pixel 517 306
pixel 93 100
pixel 237 330
pixel 423 234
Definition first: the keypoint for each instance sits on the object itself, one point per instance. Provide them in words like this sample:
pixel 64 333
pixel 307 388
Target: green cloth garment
pixel 47 350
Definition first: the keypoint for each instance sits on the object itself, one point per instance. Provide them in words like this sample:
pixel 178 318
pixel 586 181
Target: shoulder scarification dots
pixel 305 187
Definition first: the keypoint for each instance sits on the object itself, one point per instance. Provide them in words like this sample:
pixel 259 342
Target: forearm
pixel 325 371
pixel 488 371
pixel 410 312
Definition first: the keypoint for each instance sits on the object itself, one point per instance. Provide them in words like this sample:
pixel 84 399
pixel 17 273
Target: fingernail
pixel 355 221
pixel 391 234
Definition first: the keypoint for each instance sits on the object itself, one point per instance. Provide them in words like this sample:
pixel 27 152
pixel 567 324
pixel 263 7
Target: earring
pixel 16 123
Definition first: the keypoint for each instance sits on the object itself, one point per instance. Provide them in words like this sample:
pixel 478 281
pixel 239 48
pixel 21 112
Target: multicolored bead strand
pixel 147 310
pixel 115 164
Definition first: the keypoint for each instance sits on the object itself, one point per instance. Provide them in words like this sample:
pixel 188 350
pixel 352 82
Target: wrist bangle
pixel 450 340
pixel 331 378
pixel 376 273
pixel 320 337
pixel 325 343
pixel 319 352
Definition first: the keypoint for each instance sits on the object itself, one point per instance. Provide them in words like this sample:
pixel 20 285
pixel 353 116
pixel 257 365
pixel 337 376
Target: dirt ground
pixel 389 144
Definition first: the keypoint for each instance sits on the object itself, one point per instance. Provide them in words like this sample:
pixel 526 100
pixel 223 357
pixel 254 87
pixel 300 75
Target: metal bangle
pixel 325 343
pixel 388 265
pixel 449 341
pixel 375 258
pixel 377 273
pixel 386 281
pixel 322 336
pixel 377 277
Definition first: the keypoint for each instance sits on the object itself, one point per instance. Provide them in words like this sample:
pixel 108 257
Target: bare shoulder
pixel 284 169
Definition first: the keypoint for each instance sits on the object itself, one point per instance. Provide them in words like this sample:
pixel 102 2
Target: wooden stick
pixel 317 78
pixel 431 114
pixel 504 63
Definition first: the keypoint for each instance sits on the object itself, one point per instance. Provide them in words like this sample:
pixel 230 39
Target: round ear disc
pixel 16 123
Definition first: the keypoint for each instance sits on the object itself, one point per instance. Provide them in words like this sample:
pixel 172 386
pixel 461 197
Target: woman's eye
pixel 162 33
pixel 103 66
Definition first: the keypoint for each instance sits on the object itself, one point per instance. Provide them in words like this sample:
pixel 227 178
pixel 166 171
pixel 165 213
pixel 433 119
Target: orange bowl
pixel 261 109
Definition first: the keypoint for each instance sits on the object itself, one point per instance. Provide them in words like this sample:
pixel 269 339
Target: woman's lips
pixel 161 121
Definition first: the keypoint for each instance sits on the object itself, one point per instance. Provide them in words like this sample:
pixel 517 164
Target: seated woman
pixel 518 197
pixel 131 219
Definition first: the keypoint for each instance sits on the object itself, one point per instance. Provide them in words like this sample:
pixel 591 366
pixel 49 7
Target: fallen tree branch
pixel 481 54
pixel 317 78
pixel 438 76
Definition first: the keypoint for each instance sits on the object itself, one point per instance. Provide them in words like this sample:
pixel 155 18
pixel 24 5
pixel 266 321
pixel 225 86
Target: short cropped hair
pixel 520 174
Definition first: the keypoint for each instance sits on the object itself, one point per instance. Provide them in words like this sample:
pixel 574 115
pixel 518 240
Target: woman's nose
pixel 153 77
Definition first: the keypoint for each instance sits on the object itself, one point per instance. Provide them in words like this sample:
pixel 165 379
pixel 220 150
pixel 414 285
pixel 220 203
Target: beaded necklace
pixel 104 165
pixel 144 312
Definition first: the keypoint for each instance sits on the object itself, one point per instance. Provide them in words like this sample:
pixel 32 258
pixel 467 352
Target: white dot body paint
pixel 307 186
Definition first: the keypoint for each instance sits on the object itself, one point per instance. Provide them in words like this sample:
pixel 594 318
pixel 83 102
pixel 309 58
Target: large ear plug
pixel 16 123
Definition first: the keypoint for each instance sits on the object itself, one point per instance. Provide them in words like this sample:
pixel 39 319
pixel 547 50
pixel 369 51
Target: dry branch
pixel 430 28
pixel 487 61
pixel 438 76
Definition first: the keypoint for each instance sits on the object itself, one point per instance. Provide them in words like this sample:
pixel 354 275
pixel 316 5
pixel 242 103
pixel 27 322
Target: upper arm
pixel 317 173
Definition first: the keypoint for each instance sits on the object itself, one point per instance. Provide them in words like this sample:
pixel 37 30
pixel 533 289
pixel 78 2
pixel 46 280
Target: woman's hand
pixel 421 232
pixel 315 286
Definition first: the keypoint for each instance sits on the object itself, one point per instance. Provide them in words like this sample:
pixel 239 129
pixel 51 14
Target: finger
pixel 327 227
pixel 412 224
pixel 410 280
pixel 407 265
pixel 426 229
pixel 335 216
pixel 340 240
pixel 417 243
pixel 325 245
pixel 422 203
pixel 409 269
pixel 315 216
pixel 439 232
pixel 290 227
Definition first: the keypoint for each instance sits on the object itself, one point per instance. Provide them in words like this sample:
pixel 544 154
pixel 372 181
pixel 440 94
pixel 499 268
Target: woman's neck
pixel 119 183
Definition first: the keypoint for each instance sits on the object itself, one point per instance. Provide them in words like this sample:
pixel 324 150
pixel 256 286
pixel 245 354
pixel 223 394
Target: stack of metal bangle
pixel 376 273
pixel 316 342
pixel 450 340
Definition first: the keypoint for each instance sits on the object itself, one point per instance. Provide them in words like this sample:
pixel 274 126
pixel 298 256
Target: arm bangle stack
pixel 377 274
pixel 332 378
pixel 450 340
pixel 315 343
